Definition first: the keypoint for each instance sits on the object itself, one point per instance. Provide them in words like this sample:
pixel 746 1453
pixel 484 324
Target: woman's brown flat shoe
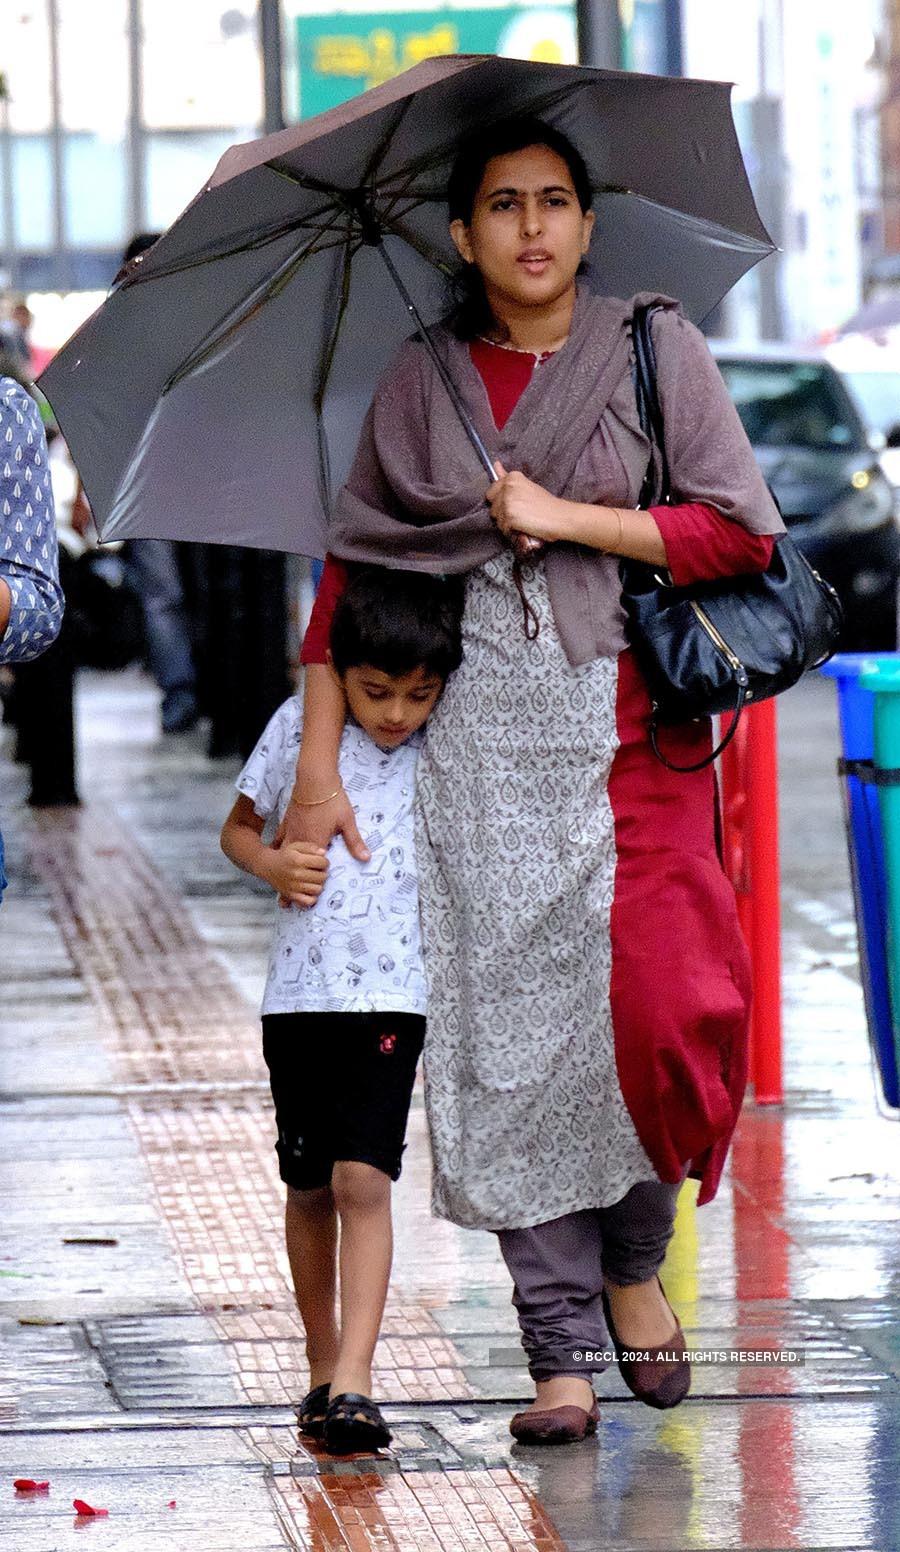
pixel 658 1380
pixel 555 1425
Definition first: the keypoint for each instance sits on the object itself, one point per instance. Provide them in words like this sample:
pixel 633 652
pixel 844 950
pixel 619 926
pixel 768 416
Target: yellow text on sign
pixel 380 55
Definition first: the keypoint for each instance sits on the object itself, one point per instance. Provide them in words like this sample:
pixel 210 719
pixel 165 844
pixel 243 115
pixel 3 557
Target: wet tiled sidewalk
pixel 150 1351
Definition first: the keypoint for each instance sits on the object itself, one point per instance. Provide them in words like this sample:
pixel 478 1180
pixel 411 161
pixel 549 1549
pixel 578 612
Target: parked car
pixel 869 365
pixel 821 440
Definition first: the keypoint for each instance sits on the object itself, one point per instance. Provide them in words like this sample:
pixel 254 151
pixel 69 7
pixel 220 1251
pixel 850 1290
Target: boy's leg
pixel 376 1056
pixel 296 1049
pixel 362 1196
pixel 310 1229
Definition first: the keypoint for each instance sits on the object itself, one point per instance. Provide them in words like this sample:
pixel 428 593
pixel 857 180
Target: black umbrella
pixel 218 392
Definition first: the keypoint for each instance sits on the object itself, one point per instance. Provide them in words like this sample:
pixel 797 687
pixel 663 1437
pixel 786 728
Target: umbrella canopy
pixel 218 392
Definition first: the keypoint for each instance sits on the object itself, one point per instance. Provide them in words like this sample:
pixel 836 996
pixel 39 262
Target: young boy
pixel 343 1009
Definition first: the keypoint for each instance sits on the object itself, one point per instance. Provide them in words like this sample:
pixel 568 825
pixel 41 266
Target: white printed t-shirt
pixel 357 950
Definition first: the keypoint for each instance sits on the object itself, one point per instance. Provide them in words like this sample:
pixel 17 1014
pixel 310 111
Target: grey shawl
pixel 414 497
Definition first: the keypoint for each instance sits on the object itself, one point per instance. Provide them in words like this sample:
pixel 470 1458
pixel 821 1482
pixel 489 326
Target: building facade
pixel 109 128
pixel 808 88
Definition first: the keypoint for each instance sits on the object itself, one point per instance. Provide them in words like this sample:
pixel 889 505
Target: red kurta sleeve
pixel 701 544
pixel 318 631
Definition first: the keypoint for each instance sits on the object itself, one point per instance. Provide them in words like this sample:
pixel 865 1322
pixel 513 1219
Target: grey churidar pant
pixel 558 1270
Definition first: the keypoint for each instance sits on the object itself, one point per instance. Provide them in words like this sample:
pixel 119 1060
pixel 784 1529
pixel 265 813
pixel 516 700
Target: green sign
pixel 346 53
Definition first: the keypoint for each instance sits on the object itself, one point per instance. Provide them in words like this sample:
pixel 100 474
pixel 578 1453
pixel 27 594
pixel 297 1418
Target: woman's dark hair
pixel 398 621
pixel 470 314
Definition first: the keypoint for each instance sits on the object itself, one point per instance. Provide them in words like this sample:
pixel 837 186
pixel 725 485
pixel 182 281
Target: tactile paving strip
pixel 164 1005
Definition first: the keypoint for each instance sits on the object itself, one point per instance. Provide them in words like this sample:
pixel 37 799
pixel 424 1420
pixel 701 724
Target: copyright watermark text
pixel 591 1357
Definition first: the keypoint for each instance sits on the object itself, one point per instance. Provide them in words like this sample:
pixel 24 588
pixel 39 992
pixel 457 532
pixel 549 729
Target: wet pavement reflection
pixel 149 1351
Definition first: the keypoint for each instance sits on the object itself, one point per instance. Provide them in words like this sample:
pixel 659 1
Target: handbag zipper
pixel 740 671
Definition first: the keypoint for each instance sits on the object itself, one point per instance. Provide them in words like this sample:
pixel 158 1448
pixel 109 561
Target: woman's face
pixel 527 234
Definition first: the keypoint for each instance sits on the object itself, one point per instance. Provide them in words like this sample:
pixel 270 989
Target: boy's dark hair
pixel 398 621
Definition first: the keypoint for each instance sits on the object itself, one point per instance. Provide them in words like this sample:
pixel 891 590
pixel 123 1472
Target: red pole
pixel 765 900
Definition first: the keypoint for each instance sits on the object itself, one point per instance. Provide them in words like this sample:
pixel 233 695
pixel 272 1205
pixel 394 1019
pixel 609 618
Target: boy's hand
pixel 297 872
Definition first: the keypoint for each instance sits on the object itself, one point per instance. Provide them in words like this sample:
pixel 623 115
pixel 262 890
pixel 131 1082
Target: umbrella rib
pixel 443 153
pixel 381 149
pixel 435 158
pixel 368 176
pixel 246 309
pixel 400 194
pixel 419 245
pixel 302 223
pixel 351 248
pixel 408 173
pixel 304 180
pixel 345 198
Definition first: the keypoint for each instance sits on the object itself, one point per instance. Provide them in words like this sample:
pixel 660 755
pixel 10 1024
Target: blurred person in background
pixel 31 600
pixel 15 332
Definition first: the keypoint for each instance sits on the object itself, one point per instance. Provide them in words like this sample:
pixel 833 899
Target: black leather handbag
pixel 715 646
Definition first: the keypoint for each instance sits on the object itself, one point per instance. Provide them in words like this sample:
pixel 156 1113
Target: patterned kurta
pixel 517 859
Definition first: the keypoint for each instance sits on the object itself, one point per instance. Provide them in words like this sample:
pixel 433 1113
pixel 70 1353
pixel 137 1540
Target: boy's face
pixel 390 707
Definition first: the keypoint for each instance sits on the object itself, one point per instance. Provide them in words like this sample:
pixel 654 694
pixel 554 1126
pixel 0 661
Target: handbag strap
pixel 651 418
pixel 649 408
pixel 710 759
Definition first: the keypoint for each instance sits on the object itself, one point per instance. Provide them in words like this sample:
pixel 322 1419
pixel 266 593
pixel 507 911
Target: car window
pixel 878 395
pixel 790 404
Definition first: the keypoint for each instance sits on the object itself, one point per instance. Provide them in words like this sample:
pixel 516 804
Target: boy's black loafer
pixel 354 1425
pixel 312 1411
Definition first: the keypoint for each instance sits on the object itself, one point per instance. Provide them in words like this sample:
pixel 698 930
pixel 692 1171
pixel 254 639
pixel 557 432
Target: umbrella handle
pixel 523 544
pixel 444 375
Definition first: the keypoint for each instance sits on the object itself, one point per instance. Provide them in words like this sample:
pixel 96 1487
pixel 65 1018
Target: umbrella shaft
pixel 445 377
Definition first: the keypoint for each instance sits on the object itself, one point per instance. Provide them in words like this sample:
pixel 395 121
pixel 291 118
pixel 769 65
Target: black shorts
pixel 342 1084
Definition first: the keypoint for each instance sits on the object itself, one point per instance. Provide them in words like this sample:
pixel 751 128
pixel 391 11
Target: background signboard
pixel 340 55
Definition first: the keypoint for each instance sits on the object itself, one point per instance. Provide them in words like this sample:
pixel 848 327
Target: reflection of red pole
pixel 769 1467
pixel 750 815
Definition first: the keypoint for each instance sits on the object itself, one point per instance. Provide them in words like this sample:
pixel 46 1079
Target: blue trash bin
pixel 865 845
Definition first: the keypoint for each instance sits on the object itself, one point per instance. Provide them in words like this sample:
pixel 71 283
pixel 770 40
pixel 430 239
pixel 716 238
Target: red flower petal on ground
pixel 85 1508
pixel 28 1485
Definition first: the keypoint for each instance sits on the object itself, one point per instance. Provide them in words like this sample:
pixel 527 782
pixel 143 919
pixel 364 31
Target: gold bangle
pixel 317 802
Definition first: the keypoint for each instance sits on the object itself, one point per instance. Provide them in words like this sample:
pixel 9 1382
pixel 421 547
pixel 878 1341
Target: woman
pixel 588 986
